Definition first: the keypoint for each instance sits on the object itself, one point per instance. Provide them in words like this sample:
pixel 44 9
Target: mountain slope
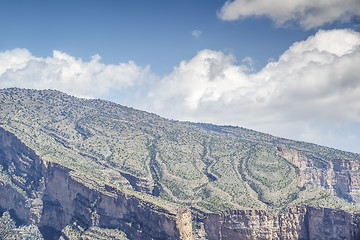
pixel 170 163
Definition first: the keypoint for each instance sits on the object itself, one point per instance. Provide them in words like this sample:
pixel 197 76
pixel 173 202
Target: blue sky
pixel 288 68
pixel 158 33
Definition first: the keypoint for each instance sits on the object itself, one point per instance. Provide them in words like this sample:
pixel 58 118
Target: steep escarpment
pixel 296 223
pixel 62 199
pixel 22 182
pixel 89 168
pixel 67 201
pixel 340 176
pixel 212 168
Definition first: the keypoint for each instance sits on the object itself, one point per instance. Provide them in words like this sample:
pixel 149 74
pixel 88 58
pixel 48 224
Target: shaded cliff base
pixel 11 228
pixel 297 223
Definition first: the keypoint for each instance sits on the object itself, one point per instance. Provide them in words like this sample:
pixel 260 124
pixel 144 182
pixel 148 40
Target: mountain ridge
pixel 206 168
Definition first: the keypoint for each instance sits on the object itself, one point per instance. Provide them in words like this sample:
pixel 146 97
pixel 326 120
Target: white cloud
pixel 209 77
pixel 196 33
pixel 314 83
pixel 14 60
pixel 66 73
pixel 322 70
pixel 316 80
pixel 307 13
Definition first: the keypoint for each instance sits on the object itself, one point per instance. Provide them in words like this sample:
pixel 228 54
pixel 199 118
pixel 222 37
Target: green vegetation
pixel 7 224
pixel 209 167
pixel 10 231
pixel 73 232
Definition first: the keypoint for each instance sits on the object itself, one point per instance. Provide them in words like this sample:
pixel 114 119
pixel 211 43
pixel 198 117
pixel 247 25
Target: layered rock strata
pixel 297 223
pixel 340 176
pixel 60 199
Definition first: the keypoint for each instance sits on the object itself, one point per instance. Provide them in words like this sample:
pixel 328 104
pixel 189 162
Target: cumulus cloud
pixel 211 76
pixel 66 73
pixel 308 14
pixel 316 80
pixel 314 83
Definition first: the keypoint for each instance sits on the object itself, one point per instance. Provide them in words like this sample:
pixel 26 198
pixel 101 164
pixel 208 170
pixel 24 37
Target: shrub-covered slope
pixel 208 167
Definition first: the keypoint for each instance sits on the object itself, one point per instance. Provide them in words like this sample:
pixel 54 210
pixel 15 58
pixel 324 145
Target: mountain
pixel 74 168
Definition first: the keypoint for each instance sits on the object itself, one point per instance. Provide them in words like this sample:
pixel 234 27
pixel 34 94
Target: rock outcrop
pixel 297 223
pixel 22 182
pixel 340 176
pixel 62 199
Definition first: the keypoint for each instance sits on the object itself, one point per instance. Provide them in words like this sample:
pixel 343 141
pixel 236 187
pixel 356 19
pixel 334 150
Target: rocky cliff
pixel 296 223
pixel 92 169
pixel 45 194
pixel 340 176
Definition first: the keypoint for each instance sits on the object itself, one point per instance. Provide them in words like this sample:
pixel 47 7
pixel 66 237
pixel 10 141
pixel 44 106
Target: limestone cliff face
pixel 296 223
pixel 340 176
pixel 22 188
pixel 67 200
pixel 256 224
pixel 45 193
pixel 327 223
